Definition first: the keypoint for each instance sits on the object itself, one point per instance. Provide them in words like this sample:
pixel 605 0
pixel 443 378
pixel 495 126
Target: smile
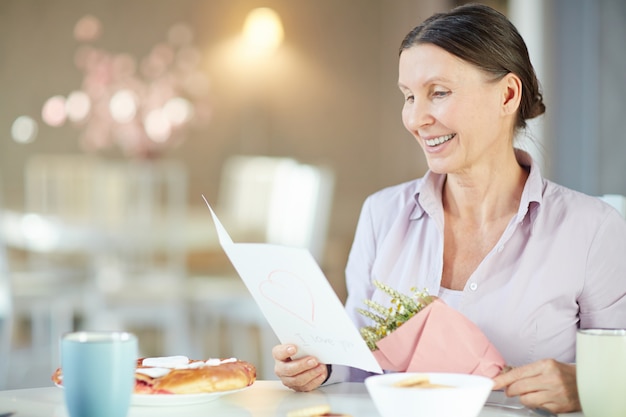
pixel 439 140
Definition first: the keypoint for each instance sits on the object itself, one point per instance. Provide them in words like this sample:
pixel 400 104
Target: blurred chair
pixel 62 185
pixel 260 199
pixel 141 206
pixel 50 245
pixel 276 200
pixel 103 249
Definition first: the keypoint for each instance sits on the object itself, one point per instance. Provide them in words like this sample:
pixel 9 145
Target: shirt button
pixel 473 286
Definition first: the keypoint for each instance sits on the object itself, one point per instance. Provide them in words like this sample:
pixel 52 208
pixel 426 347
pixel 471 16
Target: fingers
pixel 536 376
pixel 308 380
pixel 546 383
pixel 283 352
pixel 547 400
pixel 515 374
pixel 303 374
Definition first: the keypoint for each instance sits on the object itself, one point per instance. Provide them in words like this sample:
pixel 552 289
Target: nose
pixel 417 114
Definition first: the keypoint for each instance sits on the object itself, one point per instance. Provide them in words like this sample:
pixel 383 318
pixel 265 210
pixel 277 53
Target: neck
pixel 487 192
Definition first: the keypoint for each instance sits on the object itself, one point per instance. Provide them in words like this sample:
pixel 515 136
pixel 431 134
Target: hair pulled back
pixel 485 38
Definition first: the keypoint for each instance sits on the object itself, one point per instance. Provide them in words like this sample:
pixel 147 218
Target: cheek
pixel 407 118
pixel 459 115
pixel 483 109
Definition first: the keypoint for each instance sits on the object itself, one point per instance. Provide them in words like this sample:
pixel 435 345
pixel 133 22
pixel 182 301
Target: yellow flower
pixel 386 320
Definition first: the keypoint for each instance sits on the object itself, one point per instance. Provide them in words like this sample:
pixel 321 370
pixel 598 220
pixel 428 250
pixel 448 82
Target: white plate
pixel 178 399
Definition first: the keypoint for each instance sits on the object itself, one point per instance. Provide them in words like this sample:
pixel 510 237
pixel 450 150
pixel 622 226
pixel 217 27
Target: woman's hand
pixel 304 374
pixel 547 383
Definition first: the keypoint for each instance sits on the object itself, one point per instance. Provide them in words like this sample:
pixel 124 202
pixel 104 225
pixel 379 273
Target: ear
pixel 511 93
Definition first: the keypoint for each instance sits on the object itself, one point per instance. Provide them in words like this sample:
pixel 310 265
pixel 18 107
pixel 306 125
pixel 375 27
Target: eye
pixel 409 98
pixel 440 93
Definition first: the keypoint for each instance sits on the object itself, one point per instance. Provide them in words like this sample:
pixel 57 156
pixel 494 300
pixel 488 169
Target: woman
pixel 527 260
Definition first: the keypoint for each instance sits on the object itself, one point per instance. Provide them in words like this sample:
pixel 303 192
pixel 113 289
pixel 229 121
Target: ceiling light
pixel 263 30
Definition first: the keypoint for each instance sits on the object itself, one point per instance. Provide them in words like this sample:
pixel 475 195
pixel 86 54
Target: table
pixel 262 399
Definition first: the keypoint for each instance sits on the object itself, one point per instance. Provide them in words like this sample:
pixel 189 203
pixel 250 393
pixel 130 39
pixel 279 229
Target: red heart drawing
pixel 291 293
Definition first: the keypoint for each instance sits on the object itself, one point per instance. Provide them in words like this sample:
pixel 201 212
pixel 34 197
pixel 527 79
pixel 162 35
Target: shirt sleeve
pixel 358 282
pixel 359 265
pixel 342 373
pixel 603 299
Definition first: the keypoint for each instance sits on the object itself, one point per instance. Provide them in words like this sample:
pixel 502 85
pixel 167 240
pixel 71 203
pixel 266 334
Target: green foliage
pixel 387 319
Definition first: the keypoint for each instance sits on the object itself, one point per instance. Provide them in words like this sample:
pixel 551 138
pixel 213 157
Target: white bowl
pixel 465 397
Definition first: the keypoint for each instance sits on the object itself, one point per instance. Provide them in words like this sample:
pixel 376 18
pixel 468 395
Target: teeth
pixel 439 140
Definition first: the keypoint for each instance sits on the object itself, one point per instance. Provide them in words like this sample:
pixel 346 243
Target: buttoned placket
pixel 474 280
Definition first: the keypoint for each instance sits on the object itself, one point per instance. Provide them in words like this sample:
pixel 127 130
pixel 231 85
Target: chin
pixel 438 168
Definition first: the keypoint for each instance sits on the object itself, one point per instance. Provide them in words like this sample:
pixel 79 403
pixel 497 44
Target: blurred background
pixel 118 116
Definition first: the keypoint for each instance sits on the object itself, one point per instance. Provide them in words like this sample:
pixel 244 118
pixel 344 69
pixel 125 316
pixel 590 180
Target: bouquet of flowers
pixel 420 333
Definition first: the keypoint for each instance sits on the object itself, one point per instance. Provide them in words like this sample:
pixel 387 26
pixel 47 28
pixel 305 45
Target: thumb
pixel 506 377
pixel 283 352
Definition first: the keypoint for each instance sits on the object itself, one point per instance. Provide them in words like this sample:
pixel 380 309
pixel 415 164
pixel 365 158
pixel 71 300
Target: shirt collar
pixel 428 191
pixel 532 195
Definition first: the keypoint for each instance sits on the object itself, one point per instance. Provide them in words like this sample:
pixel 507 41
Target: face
pixel 460 117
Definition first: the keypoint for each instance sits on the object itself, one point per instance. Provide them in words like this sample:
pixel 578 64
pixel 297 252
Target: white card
pixel 297 301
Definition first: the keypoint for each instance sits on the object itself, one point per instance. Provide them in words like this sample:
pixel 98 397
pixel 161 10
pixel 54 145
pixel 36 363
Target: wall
pixel 328 96
pixel 588 72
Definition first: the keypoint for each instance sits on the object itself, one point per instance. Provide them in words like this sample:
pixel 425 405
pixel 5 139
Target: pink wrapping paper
pixel 439 339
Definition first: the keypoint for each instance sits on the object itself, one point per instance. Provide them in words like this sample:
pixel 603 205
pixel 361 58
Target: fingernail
pixel 311 362
pixel 291 350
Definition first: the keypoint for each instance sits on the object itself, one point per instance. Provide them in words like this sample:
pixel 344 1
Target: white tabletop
pixel 262 399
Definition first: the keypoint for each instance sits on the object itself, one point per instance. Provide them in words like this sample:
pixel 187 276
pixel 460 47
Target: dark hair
pixel 485 38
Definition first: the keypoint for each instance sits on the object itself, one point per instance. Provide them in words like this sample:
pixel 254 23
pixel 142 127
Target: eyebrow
pixel 432 80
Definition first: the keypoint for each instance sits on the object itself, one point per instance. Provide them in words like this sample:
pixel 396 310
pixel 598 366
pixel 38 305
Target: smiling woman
pixel 526 260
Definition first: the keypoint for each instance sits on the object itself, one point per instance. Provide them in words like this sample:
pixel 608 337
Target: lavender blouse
pixel 560 264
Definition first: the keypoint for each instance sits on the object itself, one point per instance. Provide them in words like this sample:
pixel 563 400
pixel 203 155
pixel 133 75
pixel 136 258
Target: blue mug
pixel 98 373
